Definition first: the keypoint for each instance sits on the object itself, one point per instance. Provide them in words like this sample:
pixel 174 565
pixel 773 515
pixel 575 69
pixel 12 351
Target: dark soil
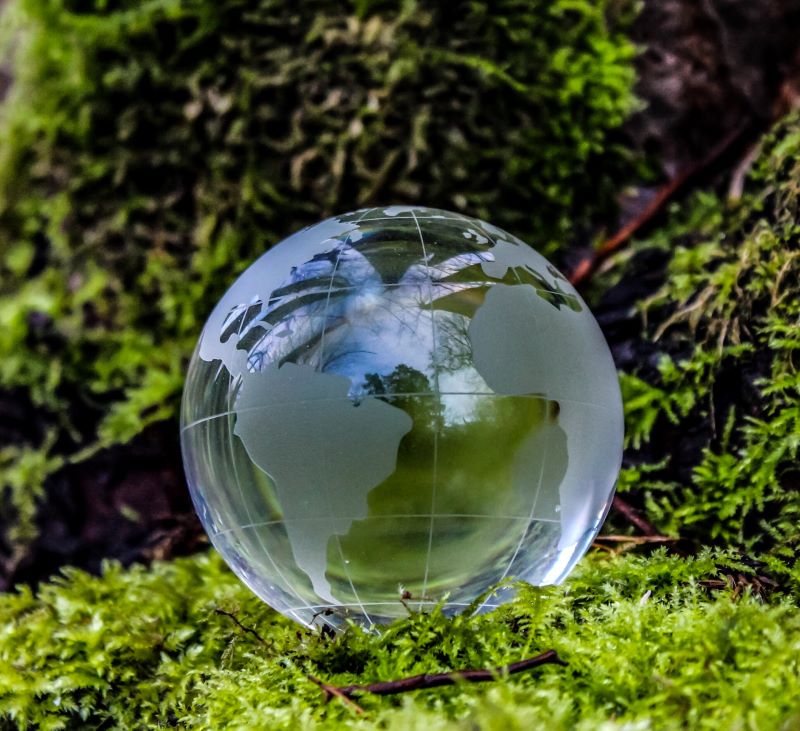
pixel 129 503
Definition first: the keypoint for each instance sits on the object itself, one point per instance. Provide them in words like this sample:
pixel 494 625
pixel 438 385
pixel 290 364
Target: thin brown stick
pixel 248 630
pixel 586 268
pixel 634 539
pixel 741 171
pixel 627 511
pixel 437 680
pixel 330 691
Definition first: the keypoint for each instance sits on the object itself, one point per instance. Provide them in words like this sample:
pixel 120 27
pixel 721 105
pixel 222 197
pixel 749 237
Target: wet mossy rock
pixel 151 150
pixel 713 391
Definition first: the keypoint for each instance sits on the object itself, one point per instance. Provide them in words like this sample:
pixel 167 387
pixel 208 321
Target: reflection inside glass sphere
pixel 400 401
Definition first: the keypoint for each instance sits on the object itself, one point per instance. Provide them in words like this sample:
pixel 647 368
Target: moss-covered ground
pixel 649 646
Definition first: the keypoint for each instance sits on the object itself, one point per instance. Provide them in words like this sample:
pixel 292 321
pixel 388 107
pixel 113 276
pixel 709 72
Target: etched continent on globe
pixel 400 401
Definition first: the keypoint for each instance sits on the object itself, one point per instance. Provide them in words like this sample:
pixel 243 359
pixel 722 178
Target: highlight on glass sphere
pixel 400 403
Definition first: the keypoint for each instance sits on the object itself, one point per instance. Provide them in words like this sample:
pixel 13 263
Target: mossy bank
pixel 713 410
pixel 152 150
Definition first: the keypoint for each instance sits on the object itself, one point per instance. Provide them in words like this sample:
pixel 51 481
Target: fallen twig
pixel 437 680
pixel 586 268
pixel 329 691
pixel 248 630
pixel 627 511
pixel 635 539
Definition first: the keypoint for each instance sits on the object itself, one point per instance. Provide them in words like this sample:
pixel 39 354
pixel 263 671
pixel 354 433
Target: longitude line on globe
pixel 321 366
pixel 538 487
pixel 247 507
pixel 436 429
pixel 231 446
pixel 526 527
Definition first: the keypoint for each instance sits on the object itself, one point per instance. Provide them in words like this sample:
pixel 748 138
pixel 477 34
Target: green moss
pixel 151 150
pixel 726 322
pixel 648 647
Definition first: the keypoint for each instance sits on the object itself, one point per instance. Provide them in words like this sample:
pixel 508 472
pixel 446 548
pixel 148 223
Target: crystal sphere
pixel 400 406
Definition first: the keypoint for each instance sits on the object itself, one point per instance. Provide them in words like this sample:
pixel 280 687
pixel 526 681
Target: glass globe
pixel 400 406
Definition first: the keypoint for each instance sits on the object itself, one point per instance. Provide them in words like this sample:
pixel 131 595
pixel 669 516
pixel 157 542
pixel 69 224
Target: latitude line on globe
pixel 401 217
pixel 395 285
pixel 514 269
pixel 317 607
pixel 203 419
pixel 439 399
pixel 472 516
